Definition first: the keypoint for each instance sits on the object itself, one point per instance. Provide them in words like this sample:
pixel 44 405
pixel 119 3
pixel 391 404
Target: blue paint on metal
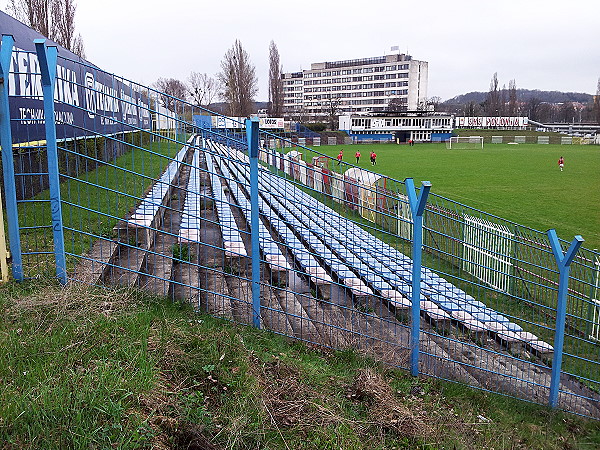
pixel 202 121
pixel 252 138
pixel 47 57
pixel 563 260
pixel 10 190
pixel 417 208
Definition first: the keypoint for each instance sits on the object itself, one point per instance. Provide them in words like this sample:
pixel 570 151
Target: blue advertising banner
pixel 89 101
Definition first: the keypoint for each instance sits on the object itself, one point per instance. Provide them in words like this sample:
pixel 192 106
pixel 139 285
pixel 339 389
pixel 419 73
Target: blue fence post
pixel 8 167
pixel 563 260
pixel 417 208
pixel 47 57
pixel 252 138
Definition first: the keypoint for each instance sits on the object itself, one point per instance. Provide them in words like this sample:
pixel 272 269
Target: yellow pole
pixel 3 251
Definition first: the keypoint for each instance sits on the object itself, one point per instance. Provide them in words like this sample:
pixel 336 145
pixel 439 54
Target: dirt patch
pixel 385 409
pixel 164 413
pixel 286 400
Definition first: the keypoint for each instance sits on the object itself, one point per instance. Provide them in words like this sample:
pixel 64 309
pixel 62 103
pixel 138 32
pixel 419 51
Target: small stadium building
pixel 420 126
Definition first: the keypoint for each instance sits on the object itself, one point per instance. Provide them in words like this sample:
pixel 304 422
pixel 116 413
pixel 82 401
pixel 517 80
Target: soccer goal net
pixel 465 142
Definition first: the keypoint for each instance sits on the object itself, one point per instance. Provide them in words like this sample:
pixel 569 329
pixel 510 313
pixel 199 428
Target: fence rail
pixel 292 241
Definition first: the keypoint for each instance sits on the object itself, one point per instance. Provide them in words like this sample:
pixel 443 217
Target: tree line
pixel 55 19
pixel 236 84
pixel 544 107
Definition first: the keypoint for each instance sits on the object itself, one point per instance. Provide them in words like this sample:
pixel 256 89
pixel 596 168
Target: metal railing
pixel 120 188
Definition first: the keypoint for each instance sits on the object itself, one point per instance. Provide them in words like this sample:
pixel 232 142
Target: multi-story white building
pixel 355 86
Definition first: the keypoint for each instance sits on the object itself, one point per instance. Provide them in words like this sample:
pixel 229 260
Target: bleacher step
pixel 95 266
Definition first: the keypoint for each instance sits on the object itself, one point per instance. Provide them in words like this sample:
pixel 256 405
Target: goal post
pixel 465 142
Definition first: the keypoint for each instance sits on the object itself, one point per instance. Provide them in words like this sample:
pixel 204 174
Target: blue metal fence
pixel 294 242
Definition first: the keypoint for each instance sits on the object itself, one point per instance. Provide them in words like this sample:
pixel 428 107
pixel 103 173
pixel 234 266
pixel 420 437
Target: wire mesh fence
pixel 288 239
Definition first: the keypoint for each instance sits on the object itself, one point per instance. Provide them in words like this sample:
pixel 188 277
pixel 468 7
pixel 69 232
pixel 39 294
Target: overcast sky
pixel 547 45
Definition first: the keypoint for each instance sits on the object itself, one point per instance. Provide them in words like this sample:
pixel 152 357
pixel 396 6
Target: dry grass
pixel 76 300
pixel 288 401
pixel 162 410
pixel 386 410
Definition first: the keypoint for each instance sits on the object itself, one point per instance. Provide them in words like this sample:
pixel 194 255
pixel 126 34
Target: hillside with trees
pixel 542 106
pixel 524 95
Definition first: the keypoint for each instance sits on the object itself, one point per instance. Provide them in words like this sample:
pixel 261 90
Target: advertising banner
pixel 271 122
pixel 228 122
pixel 88 100
pixel 240 122
pixel 491 122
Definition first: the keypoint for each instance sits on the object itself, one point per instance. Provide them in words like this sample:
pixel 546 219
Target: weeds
pixel 118 368
pixel 182 252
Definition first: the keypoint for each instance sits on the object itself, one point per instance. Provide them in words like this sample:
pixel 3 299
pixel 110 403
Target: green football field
pixel 521 183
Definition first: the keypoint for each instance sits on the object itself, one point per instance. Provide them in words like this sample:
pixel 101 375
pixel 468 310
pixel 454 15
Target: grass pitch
pixel 521 183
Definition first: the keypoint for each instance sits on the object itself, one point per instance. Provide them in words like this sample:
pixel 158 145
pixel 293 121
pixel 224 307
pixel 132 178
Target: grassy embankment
pixel 84 368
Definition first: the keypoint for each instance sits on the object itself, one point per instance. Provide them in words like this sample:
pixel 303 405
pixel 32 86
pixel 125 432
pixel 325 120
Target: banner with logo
pixel 88 101
pixel 491 122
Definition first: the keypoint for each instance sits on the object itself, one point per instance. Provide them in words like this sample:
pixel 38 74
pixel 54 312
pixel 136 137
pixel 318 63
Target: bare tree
pixel 275 82
pixel 170 91
pixel 396 104
pixel 78 47
pixel 513 106
pixel 533 109
pixel 568 112
pixel 434 102
pixel 492 103
pixel 203 89
pixel 55 19
pixel 547 113
pixel 472 109
pixel 33 13
pixel 503 101
pixel 238 80
pixel 331 108
pixel 427 104
pixel 63 26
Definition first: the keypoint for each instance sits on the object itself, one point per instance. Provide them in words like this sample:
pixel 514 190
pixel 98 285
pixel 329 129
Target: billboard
pixel 228 122
pixel 240 122
pixel 271 123
pixel 87 100
pixel 491 122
